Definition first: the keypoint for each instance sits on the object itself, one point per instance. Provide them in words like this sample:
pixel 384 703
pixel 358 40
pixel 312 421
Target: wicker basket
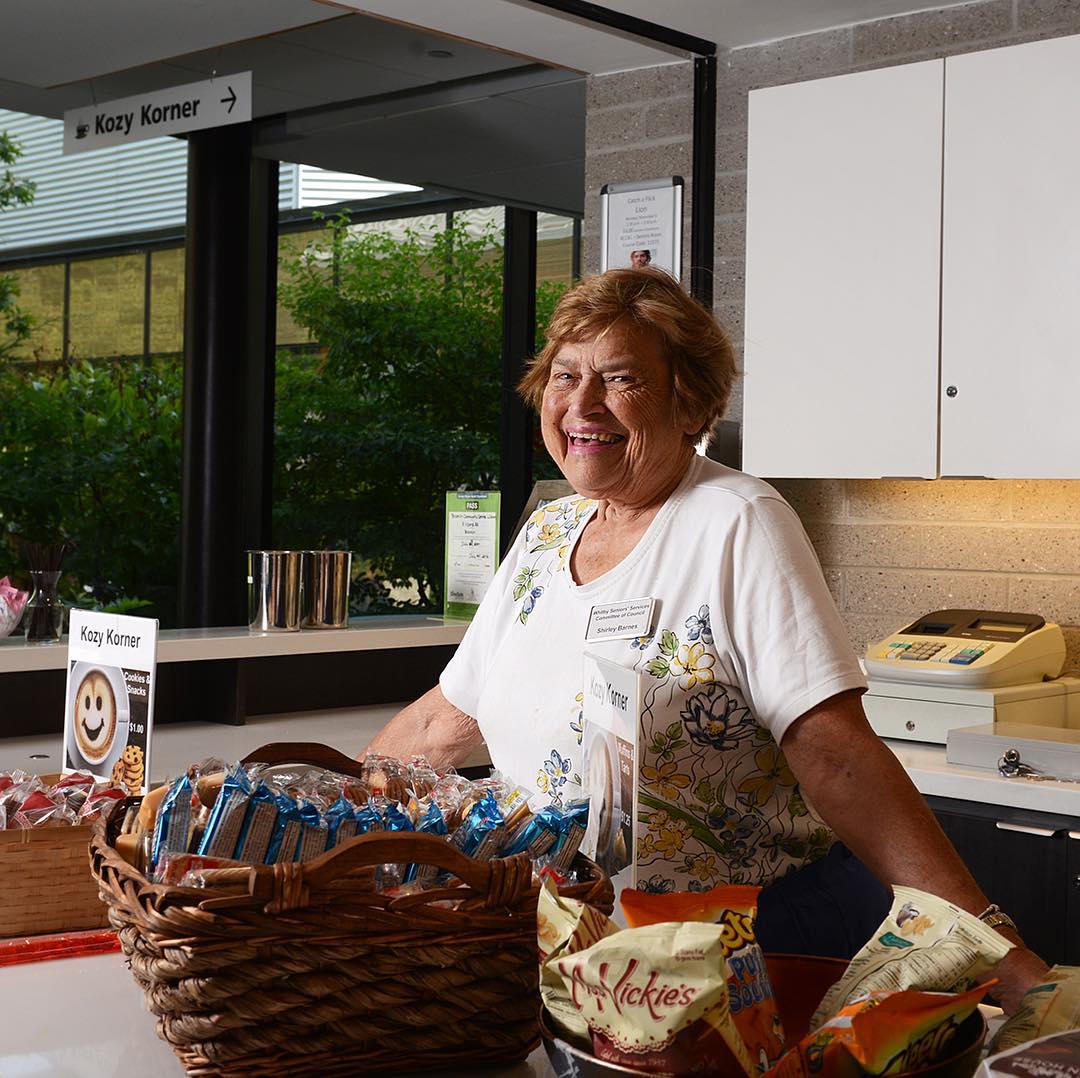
pixel 306 969
pixel 47 886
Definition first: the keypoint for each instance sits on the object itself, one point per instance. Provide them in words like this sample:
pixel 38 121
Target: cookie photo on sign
pixel 100 713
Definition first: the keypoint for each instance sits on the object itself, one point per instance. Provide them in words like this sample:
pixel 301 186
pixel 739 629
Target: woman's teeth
pixel 606 439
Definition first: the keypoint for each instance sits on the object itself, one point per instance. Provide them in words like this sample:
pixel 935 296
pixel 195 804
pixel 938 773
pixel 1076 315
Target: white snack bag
pixel 925 943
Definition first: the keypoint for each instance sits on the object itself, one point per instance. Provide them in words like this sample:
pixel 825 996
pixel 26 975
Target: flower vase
pixel 44 613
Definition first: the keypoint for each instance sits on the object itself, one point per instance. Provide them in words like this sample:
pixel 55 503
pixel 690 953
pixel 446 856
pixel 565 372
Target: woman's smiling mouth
pixel 593 439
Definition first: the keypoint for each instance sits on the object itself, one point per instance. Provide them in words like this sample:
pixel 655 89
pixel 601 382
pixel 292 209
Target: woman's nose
pixel 589 396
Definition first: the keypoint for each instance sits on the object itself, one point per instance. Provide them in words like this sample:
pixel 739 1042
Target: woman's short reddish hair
pixel 702 359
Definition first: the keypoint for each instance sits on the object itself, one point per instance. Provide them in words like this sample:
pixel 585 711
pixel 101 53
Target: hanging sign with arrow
pixel 224 99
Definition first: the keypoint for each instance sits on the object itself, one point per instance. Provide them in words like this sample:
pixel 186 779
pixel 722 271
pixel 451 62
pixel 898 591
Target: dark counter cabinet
pixel 1026 862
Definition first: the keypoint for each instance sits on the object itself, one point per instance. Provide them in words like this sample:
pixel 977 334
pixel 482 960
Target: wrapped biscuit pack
pixel 881 1033
pixel 1050 1007
pixel 925 943
pixel 1053 1056
pixel 750 993
pixel 653 998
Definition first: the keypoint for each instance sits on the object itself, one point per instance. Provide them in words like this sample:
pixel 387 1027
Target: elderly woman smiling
pixel 758 764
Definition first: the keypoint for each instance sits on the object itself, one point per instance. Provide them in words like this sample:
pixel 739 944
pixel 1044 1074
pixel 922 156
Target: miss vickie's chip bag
pixel 750 995
pixel 653 999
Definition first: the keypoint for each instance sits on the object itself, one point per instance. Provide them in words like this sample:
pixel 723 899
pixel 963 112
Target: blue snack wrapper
pixel 431 823
pixel 483 831
pixel 368 819
pixel 286 835
pixel 227 816
pixel 537 835
pixel 313 833
pixel 574 822
pixel 395 818
pixel 173 820
pixel 260 821
pixel 341 824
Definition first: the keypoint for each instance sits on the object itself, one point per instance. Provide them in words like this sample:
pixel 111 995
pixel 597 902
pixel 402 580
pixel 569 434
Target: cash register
pixel 954 668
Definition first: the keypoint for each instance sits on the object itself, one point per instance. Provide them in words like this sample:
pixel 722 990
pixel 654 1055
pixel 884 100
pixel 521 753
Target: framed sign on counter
pixel 472 549
pixel 641 224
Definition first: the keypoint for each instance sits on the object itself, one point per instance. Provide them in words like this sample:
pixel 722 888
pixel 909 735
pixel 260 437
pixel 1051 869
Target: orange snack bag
pixel 734 908
pixel 881 1033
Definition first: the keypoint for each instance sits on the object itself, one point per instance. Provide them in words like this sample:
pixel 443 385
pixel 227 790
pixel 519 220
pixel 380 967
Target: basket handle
pixel 306 752
pixel 501 881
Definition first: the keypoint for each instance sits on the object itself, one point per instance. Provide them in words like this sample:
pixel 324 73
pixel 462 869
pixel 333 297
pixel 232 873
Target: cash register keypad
pixel 922 651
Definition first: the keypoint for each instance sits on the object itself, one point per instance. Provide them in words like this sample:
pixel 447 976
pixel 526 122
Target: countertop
pixel 933 776
pixel 85 1018
pixel 192 645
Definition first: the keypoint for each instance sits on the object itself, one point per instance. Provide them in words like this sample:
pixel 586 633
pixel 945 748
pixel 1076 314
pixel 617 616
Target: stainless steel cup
pixel 325 577
pixel 273 590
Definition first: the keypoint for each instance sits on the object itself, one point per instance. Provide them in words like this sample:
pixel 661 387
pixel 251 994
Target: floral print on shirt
pixel 718 801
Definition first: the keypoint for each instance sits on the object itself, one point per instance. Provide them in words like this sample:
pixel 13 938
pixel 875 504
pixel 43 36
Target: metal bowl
pixel 799 982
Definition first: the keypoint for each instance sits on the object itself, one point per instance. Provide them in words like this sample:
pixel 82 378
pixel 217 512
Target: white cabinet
pixel 1010 317
pixel 842 275
pixel 893 206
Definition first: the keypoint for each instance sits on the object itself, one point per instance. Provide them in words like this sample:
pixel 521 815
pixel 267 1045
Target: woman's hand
pixel 1016 973
pixel 430 727
pixel 863 793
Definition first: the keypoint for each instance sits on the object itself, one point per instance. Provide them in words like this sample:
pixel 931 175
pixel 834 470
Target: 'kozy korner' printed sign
pixel 225 99
pixel 109 701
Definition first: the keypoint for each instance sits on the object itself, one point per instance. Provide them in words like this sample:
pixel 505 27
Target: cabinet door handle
pixel 1075 835
pixel 1025 829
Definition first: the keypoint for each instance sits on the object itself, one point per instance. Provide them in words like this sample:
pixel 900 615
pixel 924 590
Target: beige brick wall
pixel 890 549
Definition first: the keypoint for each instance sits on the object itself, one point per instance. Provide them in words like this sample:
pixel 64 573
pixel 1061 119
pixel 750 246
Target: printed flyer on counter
pixel 472 549
pixel 109 701
pixel 611 718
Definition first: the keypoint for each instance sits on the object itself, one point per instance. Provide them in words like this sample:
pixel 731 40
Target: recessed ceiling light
pixel 440 54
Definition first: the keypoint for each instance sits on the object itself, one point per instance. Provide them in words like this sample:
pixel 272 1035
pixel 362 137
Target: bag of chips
pixel 656 999
pixel 734 908
pixel 925 943
pixel 881 1033
pixel 1050 1007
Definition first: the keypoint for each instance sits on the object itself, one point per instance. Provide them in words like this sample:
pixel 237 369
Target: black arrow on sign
pixel 231 99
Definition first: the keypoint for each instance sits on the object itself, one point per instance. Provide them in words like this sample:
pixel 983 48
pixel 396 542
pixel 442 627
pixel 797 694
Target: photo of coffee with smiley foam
pixel 95 717
pixel 110 697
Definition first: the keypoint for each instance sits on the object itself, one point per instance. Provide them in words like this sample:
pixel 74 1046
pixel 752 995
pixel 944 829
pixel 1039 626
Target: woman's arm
pixel 861 790
pixel 430 727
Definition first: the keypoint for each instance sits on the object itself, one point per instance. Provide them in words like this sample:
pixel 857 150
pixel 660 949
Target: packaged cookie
pixel 171 828
pixel 536 835
pixel 881 1033
pixel 1050 1007
pixel 386 776
pixel 101 801
pixel 483 831
pixel 734 909
pixel 1057 1055
pixel 423 778
pixel 257 829
pixel 313 832
pixel 286 837
pixel 227 816
pixel 431 822
pixel 575 821
pixel 924 943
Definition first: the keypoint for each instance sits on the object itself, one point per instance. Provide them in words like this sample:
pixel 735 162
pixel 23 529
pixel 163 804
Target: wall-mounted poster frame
pixel 641 224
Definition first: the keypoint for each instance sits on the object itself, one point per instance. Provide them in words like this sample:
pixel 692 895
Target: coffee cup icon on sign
pixel 82 130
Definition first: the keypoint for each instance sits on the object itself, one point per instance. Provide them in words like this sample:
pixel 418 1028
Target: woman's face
pixel 607 419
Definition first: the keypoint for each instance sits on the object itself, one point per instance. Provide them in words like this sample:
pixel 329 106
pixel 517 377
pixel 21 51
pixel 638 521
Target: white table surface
pixel 192 645
pixel 84 1018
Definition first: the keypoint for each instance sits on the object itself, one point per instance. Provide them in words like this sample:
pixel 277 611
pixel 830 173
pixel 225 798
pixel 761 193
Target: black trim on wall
pixel 519 342
pixel 702 216
pixel 630 24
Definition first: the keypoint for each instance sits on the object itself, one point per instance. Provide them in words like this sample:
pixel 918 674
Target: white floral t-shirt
pixel 745 639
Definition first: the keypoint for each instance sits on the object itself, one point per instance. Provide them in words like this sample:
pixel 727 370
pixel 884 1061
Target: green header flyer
pixel 472 549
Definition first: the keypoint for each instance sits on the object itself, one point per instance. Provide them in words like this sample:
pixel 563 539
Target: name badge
pixel 620 621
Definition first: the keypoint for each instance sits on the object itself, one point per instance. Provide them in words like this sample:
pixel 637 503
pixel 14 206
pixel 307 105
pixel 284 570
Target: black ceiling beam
pixel 630 24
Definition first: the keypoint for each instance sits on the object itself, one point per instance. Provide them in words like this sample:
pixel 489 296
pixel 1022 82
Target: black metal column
pixel 228 371
pixel 703 192
pixel 519 342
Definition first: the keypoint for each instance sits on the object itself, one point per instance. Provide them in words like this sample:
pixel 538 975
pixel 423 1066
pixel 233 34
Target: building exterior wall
pixel 890 549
